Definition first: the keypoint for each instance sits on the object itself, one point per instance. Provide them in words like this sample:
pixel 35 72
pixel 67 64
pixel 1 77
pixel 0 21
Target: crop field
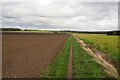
pixel 50 55
pixel 102 42
pixel 26 55
pixel 107 44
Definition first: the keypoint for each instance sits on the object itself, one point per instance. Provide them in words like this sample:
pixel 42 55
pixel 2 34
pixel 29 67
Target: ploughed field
pixel 26 55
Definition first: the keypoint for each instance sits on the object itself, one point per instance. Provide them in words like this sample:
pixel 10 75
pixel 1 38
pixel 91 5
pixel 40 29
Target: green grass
pixel 83 65
pixel 58 69
pixel 102 42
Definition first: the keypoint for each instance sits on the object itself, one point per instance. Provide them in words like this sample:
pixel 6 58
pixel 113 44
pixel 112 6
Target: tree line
pixel 117 32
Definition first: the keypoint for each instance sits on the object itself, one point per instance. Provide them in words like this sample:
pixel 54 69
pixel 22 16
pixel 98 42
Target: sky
pixel 60 15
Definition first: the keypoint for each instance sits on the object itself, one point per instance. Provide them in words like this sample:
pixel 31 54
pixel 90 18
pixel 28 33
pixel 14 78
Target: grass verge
pixel 84 66
pixel 58 69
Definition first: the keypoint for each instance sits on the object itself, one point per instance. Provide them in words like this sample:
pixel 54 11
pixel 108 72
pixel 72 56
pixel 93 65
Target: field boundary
pixel 107 66
pixel 59 66
pixel 70 65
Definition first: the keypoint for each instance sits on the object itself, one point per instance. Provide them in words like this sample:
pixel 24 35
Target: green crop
pixel 104 43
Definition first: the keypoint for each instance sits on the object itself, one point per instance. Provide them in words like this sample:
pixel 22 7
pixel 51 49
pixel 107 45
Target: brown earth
pixel 26 55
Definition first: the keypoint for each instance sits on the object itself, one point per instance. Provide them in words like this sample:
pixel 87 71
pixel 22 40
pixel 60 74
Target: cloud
pixel 61 15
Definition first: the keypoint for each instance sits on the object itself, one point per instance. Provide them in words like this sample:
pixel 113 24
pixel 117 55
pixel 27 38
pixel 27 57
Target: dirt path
pixel 70 65
pixel 26 55
pixel 99 58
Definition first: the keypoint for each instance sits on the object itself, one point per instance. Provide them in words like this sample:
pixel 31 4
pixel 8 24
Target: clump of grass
pixel 84 66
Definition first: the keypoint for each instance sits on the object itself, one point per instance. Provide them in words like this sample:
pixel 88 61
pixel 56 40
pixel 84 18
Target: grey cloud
pixel 62 15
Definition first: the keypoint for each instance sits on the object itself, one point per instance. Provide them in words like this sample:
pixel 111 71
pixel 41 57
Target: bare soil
pixel 25 55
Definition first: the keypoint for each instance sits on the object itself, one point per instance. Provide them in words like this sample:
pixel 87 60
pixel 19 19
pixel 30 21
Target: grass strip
pixel 58 69
pixel 84 66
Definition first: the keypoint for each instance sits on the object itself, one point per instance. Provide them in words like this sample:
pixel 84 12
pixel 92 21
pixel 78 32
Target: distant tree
pixel 26 30
pixel 11 29
pixel 113 33
pixel 55 32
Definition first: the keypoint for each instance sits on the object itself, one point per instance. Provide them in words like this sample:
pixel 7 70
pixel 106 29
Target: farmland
pixel 104 43
pixel 108 45
pixel 26 55
pixel 46 55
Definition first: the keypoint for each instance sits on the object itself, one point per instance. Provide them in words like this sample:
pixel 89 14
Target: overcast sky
pixel 50 14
